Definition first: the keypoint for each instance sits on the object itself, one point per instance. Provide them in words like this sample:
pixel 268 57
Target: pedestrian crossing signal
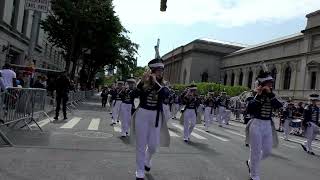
pixel 163 5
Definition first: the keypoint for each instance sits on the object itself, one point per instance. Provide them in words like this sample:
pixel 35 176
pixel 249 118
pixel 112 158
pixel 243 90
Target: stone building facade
pixel 15 31
pixel 294 62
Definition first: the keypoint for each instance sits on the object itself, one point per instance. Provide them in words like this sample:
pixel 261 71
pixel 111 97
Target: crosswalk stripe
pixel 235 133
pixel 212 135
pixel 71 123
pixel 41 123
pixel 301 142
pixel 94 124
pixel 173 134
pixel 192 134
pixel 237 124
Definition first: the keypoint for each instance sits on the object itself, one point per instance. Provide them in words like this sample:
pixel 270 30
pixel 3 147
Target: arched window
pixel 232 79
pixel 313 80
pixel 240 79
pixel 274 76
pixel 250 79
pixel 225 79
pixel 204 77
pixel 287 78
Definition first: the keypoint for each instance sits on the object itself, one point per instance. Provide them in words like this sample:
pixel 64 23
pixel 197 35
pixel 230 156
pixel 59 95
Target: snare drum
pixel 296 123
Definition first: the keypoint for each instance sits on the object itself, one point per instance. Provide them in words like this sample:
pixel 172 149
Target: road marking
pixel 217 137
pixel 192 134
pixel 70 124
pixel 173 134
pixel 289 146
pixel 94 124
pixel 301 142
pixel 237 124
pixel 235 133
pixel 41 123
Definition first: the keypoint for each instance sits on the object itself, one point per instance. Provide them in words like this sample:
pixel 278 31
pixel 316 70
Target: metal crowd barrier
pixel 28 104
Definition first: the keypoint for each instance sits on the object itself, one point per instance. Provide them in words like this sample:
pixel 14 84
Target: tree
pixel 90 29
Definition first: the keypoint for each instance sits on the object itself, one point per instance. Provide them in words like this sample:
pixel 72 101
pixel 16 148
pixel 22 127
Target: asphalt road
pixel 87 148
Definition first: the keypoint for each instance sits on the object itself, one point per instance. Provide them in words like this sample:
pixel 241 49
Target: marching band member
pixel 223 104
pixel 148 124
pixel 127 96
pixel 116 102
pixel 209 104
pixel 176 104
pixel 311 122
pixel 166 106
pixel 190 100
pixel 288 113
pixel 260 131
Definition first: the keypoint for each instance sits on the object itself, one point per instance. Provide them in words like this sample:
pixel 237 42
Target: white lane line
pixel 301 142
pixel 289 146
pixel 173 134
pixel 217 137
pixel 41 123
pixel 94 124
pixel 236 124
pixel 192 134
pixel 235 133
pixel 70 124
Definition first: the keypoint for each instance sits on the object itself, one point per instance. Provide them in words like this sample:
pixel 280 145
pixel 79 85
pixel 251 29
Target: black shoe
pixel 304 147
pixel 65 118
pixel 247 145
pixel 247 162
pixel 186 141
pixel 112 124
pixel 127 133
pixel 117 121
pixel 139 178
pixel 312 153
pixel 147 168
pixel 55 118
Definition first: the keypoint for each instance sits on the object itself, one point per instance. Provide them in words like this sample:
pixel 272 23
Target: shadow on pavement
pixel 149 177
pixel 125 140
pixel 202 147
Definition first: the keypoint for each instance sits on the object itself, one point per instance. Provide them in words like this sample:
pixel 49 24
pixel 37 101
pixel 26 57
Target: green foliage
pixel 90 29
pixel 204 88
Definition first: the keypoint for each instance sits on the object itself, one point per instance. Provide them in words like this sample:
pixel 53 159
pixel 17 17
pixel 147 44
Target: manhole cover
pixel 92 134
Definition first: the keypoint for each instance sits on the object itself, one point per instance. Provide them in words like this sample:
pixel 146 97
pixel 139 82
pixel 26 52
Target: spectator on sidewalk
pixel 8 77
pixel 62 90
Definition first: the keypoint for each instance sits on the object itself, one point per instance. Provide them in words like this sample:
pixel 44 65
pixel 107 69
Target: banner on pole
pixel 38 5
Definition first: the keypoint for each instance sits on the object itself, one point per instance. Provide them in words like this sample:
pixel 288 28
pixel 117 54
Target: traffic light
pixel 163 5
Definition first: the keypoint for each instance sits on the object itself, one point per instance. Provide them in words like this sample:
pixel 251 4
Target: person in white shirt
pixel 8 77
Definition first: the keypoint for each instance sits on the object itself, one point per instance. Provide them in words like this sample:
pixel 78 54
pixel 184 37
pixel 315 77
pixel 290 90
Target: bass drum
pixel 296 123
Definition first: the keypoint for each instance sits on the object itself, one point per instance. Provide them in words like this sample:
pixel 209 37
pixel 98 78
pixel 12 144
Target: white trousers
pixel 125 111
pixel 286 128
pixel 175 109
pixel 221 115
pixel 227 116
pixel 190 119
pixel 147 139
pixel 261 142
pixel 311 133
pixel 116 111
pixel 208 116
pixel 166 111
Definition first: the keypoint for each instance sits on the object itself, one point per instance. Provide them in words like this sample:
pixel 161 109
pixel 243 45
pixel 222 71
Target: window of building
pixel 14 13
pixel 250 79
pixel 25 22
pixel 204 77
pixel 240 79
pixel 1 9
pixel 232 79
pixel 313 80
pixel 225 79
pixel 287 78
pixel 274 76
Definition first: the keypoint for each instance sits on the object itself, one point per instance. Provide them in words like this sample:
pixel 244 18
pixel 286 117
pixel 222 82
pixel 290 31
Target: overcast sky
pixel 242 21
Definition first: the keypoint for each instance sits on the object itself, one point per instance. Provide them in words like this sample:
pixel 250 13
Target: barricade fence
pixel 26 105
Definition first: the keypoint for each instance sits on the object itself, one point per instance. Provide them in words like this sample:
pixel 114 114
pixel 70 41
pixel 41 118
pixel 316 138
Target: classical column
pixel 278 79
pixel 229 77
pixel 245 72
pixel 255 73
pixel 236 77
pixel 293 75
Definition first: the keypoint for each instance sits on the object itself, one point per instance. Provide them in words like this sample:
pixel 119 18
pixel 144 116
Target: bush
pixel 203 88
